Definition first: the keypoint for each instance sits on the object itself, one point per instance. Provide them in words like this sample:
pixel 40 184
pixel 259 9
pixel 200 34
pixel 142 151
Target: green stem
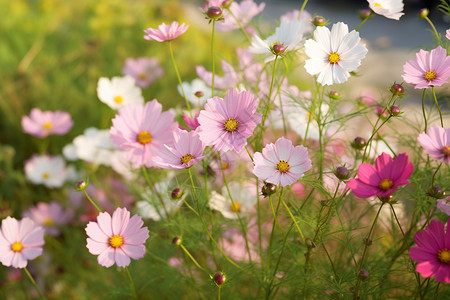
pixel 436 291
pixel 371 137
pixel 249 154
pixel 437 105
pixel 363 21
pixel 218 293
pixel 240 26
pixel 92 201
pixel 212 57
pixel 33 282
pixel 293 219
pixel 192 258
pixel 133 289
pixel 272 233
pixel 154 190
pixel 423 109
pixel 179 78
pixel 302 8
pixel 438 37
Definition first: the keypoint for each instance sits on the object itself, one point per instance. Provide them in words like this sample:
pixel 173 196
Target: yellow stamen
pixel 385 184
pixel 47 125
pixel 444 256
pixel 225 165
pixel 45 175
pixel 378 4
pixel 236 207
pixel 231 125
pixel 116 241
pixel 334 58
pixel 48 222
pixel 17 247
pixel 445 150
pixel 142 76
pixel 283 166
pixel 186 159
pixel 118 99
pixel 430 75
pixel 144 137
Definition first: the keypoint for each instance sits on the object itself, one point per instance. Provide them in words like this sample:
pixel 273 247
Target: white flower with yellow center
pixel 333 55
pixel 391 9
pixel 48 170
pixel 244 199
pixel 119 91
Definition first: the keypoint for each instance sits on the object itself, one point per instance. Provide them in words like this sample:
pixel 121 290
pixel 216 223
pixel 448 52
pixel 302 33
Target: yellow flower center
pixel 385 184
pixel 236 207
pixel 142 76
pixel 283 166
pixel 225 165
pixel 116 241
pixel 430 75
pixel 334 58
pixel 231 125
pixel 444 256
pixel 17 247
pixel 186 159
pixel 144 137
pixel 45 175
pixel 118 99
pixel 377 4
pixel 47 126
pixel 48 222
pixel 445 150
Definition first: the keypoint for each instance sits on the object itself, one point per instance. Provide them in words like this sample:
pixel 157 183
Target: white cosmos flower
pixel 391 9
pixel 48 170
pixel 244 197
pixel 119 91
pixel 334 54
pixel 190 89
pixel 289 34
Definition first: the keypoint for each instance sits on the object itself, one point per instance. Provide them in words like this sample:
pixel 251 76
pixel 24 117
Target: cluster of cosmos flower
pixel 143 136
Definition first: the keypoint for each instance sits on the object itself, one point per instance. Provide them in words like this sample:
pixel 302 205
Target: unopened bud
pixel 342 173
pixel 278 49
pixel 199 94
pixel 436 192
pixel 365 13
pixel 219 278
pixel 397 89
pixel 268 189
pixel 309 243
pixel 423 13
pixel 214 12
pixel 334 95
pixel 82 185
pixel 367 241
pixel 395 110
pixel 363 274
pixel 177 241
pixel 319 21
pixel 177 193
pixel 387 199
pixel 226 3
pixel 359 143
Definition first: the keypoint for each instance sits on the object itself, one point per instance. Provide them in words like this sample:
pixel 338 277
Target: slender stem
pixel 272 233
pixel 438 37
pixel 249 154
pixel 33 282
pixel 92 201
pixel 436 291
pixel 363 21
pixel 371 137
pixel 133 289
pixel 302 8
pixel 179 78
pixel 212 57
pixel 423 109
pixel 437 105
pixel 434 174
pixel 293 219
pixel 218 293
pixel 240 25
pixel 192 258
pixel 154 190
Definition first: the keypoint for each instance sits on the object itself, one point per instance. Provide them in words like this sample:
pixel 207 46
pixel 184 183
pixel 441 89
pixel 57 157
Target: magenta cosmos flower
pixel 44 123
pixel 227 123
pixel 384 178
pixel 187 150
pixel 436 143
pixel 433 251
pixel 49 215
pixel 142 130
pixel 20 241
pixel 165 32
pixel 281 163
pixel 429 68
pixel 115 239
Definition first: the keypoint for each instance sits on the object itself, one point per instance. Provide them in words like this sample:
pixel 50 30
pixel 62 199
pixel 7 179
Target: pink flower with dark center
pixel 142 130
pixel 384 178
pixel 187 150
pixel 436 143
pixel 116 239
pixel 433 251
pixel 281 163
pixel 49 215
pixel 191 123
pixel 20 241
pixel 227 123
pixel 144 70
pixel 429 69
pixel 165 32
pixel 44 123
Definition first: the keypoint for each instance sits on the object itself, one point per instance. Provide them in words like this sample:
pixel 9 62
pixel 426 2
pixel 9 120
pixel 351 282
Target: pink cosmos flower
pixel 429 68
pixel 436 143
pixel 144 70
pixel 230 78
pixel 115 239
pixel 43 123
pixel 447 34
pixel 49 216
pixel 281 163
pixel 384 178
pixel 243 11
pixel 227 123
pixel 432 251
pixel 20 241
pixel 444 205
pixel 187 150
pixel 142 130
pixel 165 32
pixel 191 123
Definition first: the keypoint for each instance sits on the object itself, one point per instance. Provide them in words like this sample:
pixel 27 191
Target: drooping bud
pixel 395 110
pixel 219 278
pixel 177 193
pixel 214 13
pixel 423 13
pixel 278 49
pixel 319 21
pixel 363 274
pixel 342 173
pixel 268 189
pixel 397 89
pixel 436 192
pixel 359 143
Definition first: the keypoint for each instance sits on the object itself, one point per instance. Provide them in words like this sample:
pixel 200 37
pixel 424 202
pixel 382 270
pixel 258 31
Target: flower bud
pixel 199 94
pixel 423 13
pixel 334 95
pixel 381 112
pixel 176 241
pixel 367 241
pixel 214 13
pixel 365 13
pixel 309 243
pixel 324 202
pixel 387 199
pixel 363 274
pixel 342 173
pixel 82 185
pixel 436 192
pixel 226 3
pixel 278 49
pixel 359 143
pixel 319 21
pixel 177 193
pixel 397 89
pixel 395 110
pixel 219 278
pixel 268 189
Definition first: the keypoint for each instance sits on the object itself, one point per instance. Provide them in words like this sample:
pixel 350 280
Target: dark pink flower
pixel 44 123
pixel 165 32
pixel 384 178
pixel 429 69
pixel 191 123
pixel 436 143
pixel 433 251
pixel 144 70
